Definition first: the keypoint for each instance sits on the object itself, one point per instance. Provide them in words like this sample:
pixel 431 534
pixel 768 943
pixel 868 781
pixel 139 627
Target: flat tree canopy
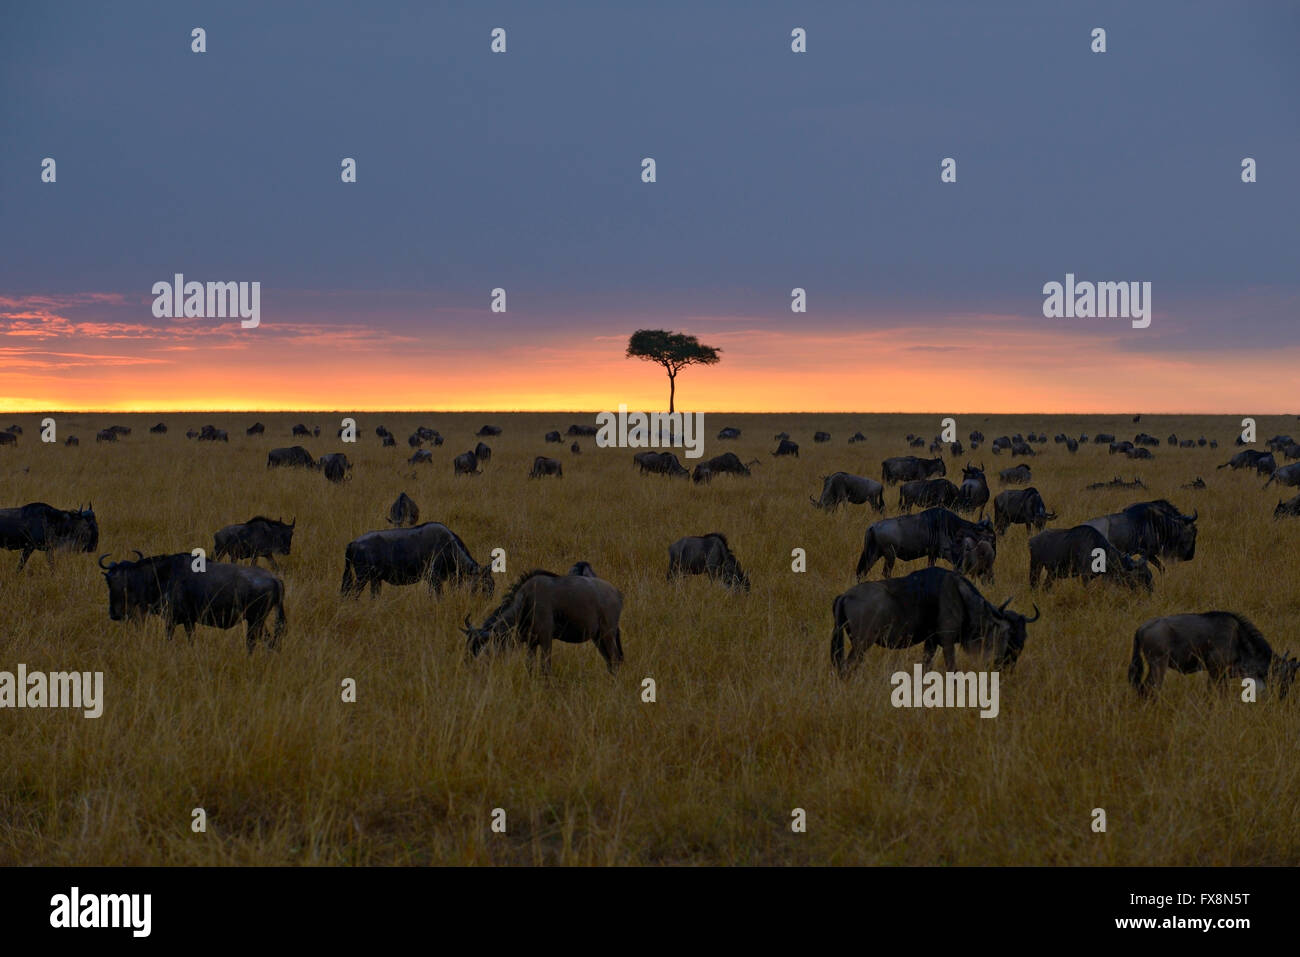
pixel 672 350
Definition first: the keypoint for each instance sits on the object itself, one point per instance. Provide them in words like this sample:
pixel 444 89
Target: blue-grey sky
pixel 774 169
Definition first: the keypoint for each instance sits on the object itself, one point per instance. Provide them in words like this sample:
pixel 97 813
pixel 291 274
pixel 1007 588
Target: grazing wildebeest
pixel 301 429
pixel 483 452
pixel 1000 443
pixel 1290 507
pixel 488 430
pixel 210 433
pixel 257 428
pixel 787 448
pixel 821 436
pixel 404 511
pixel 293 457
pixel 976 436
pixel 1220 642
pixel 542 466
pixel 575 448
pixel 1020 475
pixel 1069 552
pixel 71 440
pixel 1143 438
pixel 1122 447
pixel 428 434
pixel 1278 442
pixel 907 468
pixel 917 443
pixel 1020 507
pixel 1251 459
pixel 727 462
pixel 37 527
pixel 17 429
pixel 706 555
pixel 336 466
pixel 589 430
pixel 973 492
pixel 119 429
pixel 857 437
pixel 933 534
pixel 1140 453
pixel 1022 448
pixel 389 442
pixel 191 434
pixel 159 429
pixel 414 441
pixel 1199 483
pixel 1151 529
pixel 729 433
pixel 105 435
pixel 661 463
pixel 8 438
pixel 956 449
pixel 431 553
pixel 465 464
pixel 421 457
pixel 1101 438
pixel 221 596
pixel 554 436
pixel 382 431
pixel 934 607
pixel 1286 475
pixel 1291 452
pixel 542 607
pixel 1071 445
pixel 1172 440
pixel 927 493
pixel 840 488
pixel 259 537
pixel 1187 444
pixel 1118 482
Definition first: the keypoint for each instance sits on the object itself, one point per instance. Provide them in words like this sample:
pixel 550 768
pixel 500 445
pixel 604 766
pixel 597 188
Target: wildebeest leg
pixel 949 652
pixel 607 644
pixel 375 584
pixel 254 632
pixel 270 558
pixel 189 631
pixel 539 640
pixel 49 558
pixel 931 646
pixel 888 568
pixel 351 587
pixel 1156 668
pixel 27 553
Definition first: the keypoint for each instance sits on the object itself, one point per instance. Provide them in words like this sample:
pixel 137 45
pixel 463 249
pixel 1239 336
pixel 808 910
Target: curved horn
pixel 101 560
pixel 139 555
pixel 1195 512
pixel 294 522
pixel 1035 618
pixel 1003 607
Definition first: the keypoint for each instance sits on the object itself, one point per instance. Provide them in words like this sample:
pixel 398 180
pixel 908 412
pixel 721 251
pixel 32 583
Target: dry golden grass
pixel 749 721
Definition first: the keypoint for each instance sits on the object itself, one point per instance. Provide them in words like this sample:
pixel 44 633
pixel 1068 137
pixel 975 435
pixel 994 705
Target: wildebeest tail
pixel 837 636
pixel 868 556
pixel 280 623
pixel 1135 664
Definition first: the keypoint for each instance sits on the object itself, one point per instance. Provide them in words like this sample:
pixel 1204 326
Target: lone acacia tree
pixel 672 350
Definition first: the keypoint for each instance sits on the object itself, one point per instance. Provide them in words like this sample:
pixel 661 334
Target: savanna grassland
pixel 749 722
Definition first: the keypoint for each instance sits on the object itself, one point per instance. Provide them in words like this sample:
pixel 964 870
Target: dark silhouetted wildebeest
pixel 105 435
pixel 781 436
pixel 293 457
pixel 15 430
pixel 191 434
pixel 1198 483
pixel 430 553
pixel 1102 438
pixel 210 433
pixel 301 429
pixel 1072 553
pixel 1020 475
pixel 908 468
pixel 975 560
pixel 588 430
pixel 37 527
pixel 421 457
pixel 542 607
pixel 729 433
pixel 575 448
pixel 388 441
pixel 1151 529
pixel 933 534
pixel 821 436
pixel 259 537
pixel 660 463
pixel 1290 507
pixel 335 467
pixel 706 555
pixel 554 436
pixel 1071 445
pixel 973 493
pixel 857 437
pixel 1262 462
pixel 1286 475
pixel 1118 482
pixel 786 447
pixel 1220 642
pixel 483 452
pixel 159 429
pixel 382 431
pixel 927 493
pixel 220 596
pixel 465 464
pixel 257 428
pixel 727 462
pixel 404 511
pixel 542 466
pixel 841 488
pixel 1020 507
pixel 8 438
pixel 934 607
pixel 488 430
pixel 71 440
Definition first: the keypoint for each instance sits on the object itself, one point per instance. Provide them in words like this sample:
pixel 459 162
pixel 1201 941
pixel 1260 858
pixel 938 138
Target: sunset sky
pixel 775 170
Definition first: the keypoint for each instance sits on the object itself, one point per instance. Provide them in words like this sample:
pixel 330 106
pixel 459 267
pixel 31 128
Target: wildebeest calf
pixel 259 537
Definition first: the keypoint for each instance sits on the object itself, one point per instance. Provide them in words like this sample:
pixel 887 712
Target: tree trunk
pixel 672 390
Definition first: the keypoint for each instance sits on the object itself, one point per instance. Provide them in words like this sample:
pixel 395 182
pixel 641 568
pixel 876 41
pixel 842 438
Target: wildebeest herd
pixel 934 607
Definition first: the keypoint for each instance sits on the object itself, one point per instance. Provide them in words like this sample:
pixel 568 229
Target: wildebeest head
pixel 1138 572
pixel 77 530
pixel 1282 670
pixel 733 576
pixel 1006 638
pixel 133 587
